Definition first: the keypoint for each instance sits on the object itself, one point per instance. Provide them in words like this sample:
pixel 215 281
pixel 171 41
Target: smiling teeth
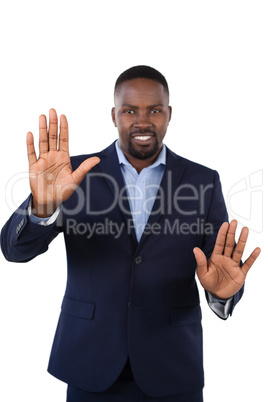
pixel 143 138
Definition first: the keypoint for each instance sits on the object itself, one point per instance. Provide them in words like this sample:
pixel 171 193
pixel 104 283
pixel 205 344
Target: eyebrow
pixel 136 107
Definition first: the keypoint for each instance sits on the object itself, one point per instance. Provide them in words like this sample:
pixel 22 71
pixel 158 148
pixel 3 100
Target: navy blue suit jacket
pixel 125 298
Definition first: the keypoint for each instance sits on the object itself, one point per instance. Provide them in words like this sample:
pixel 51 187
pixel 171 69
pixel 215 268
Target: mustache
pixel 142 132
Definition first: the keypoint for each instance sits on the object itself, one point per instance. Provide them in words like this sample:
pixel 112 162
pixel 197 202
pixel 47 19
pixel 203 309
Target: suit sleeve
pixel 217 214
pixel 22 240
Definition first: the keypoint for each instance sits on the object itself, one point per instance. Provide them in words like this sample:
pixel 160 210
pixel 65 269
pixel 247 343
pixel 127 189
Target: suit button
pixel 20 226
pixel 138 259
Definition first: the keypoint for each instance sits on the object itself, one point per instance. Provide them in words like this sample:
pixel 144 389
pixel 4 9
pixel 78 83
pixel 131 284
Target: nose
pixel 142 121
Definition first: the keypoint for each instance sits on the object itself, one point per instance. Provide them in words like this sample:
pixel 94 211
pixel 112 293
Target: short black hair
pixel 142 72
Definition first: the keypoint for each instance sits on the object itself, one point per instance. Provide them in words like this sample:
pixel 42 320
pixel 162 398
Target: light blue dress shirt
pixel 141 187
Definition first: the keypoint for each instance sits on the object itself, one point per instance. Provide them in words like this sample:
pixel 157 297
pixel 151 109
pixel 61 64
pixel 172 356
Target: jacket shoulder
pixel 194 168
pixel 76 160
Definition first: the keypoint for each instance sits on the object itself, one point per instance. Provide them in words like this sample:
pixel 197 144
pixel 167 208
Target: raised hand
pixel 221 275
pixel 52 179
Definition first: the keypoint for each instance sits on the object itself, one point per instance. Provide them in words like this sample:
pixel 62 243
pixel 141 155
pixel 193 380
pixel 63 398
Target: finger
pixel 250 261
pixel 230 239
pixel 30 149
pixel 85 167
pixel 53 130
pixel 64 136
pixel 240 247
pixel 201 262
pixel 221 238
pixel 43 139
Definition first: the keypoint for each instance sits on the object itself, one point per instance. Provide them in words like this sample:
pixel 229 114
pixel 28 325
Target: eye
pixel 128 111
pixel 155 111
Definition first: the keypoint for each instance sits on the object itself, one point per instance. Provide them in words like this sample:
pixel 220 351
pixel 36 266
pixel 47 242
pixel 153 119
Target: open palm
pixel 52 179
pixel 222 275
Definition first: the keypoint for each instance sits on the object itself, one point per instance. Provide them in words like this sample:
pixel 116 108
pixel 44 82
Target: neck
pixel 140 164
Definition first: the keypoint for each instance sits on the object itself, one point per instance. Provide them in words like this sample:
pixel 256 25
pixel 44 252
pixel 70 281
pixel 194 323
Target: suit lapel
pixel 110 168
pixel 171 178
pixel 109 165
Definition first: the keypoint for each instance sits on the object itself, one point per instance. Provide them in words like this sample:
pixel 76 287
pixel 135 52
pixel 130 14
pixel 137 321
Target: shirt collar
pixel 161 159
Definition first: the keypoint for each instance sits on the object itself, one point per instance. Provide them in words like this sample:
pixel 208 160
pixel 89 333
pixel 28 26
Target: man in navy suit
pixel 138 221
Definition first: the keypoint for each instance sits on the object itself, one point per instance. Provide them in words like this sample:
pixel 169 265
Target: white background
pixel 67 55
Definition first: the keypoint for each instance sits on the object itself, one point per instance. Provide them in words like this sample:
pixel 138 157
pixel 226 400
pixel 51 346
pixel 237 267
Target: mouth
pixel 142 139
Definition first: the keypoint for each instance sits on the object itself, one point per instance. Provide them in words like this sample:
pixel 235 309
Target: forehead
pixel 140 91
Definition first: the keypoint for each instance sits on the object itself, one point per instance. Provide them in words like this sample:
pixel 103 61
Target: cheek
pixel 123 129
pixel 163 124
pixel 124 124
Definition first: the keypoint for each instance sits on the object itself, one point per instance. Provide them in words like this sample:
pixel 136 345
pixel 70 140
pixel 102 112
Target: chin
pixel 140 153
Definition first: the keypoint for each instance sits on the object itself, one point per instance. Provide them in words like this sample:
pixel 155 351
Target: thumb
pixel 84 168
pixel 201 261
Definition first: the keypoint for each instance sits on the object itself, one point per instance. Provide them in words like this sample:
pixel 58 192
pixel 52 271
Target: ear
pixel 113 116
pixel 170 113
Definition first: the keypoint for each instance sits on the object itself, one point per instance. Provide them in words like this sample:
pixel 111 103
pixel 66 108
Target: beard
pixel 146 153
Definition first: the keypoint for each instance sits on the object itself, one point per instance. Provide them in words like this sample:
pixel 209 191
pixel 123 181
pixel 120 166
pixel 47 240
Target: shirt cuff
pixel 43 221
pixel 221 307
